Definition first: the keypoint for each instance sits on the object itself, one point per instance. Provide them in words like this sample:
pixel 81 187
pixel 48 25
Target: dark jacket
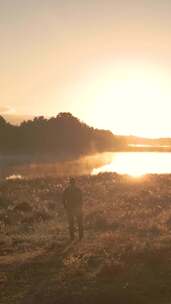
pixel 72 198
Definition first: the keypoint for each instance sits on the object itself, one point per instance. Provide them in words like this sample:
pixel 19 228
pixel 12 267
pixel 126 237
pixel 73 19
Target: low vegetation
pixel 124 258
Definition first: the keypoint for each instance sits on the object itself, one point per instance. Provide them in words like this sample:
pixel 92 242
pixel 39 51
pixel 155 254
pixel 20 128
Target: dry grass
pixel 124 258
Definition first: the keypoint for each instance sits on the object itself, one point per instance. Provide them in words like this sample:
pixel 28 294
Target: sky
pixel 107 62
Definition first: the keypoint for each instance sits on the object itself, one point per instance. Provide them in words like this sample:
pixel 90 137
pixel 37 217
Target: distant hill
pixel 147 141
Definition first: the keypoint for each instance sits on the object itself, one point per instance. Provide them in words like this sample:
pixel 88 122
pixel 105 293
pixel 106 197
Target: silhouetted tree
pixel 60 135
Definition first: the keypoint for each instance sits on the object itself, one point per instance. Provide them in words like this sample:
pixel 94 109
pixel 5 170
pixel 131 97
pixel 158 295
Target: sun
pixel 134 104
pixel 128 99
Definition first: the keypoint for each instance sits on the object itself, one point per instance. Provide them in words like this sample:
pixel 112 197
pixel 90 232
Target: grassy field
pixel 124 258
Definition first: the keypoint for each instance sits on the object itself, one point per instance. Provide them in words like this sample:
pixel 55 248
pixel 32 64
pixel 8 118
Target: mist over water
pixel 131 163
pixel 81 166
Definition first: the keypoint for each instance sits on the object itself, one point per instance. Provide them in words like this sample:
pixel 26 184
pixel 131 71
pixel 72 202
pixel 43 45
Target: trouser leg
pixel 80 225
pixel 71 225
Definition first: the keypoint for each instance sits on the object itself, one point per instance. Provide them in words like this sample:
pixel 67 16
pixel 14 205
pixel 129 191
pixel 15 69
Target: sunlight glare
pixel 129 99
pixel 137 164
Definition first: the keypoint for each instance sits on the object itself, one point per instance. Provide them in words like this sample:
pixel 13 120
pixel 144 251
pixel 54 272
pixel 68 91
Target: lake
pixel 137 163
pixel 131 163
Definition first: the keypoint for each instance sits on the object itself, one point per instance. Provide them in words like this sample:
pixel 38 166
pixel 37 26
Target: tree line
pixel 63 135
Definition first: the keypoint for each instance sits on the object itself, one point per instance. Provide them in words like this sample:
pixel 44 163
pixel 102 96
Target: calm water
pixel 137 163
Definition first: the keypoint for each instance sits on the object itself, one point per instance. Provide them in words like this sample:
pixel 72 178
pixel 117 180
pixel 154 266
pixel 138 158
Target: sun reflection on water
pixel 137 164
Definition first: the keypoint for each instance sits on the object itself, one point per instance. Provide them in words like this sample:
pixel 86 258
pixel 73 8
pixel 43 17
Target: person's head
pixel 72 181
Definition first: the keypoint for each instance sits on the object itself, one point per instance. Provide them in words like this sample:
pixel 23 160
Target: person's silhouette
pixel 72 200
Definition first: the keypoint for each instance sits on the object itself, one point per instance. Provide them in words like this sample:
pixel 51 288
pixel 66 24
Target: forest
pixel 62 135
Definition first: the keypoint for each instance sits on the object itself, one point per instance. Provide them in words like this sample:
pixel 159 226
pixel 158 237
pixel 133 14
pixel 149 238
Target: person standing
pixel 73 203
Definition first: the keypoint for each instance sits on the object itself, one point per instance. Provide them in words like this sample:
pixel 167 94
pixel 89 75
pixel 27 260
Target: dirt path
pixel 26 275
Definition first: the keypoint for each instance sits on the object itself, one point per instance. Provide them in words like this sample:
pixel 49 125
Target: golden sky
pixel 107 62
